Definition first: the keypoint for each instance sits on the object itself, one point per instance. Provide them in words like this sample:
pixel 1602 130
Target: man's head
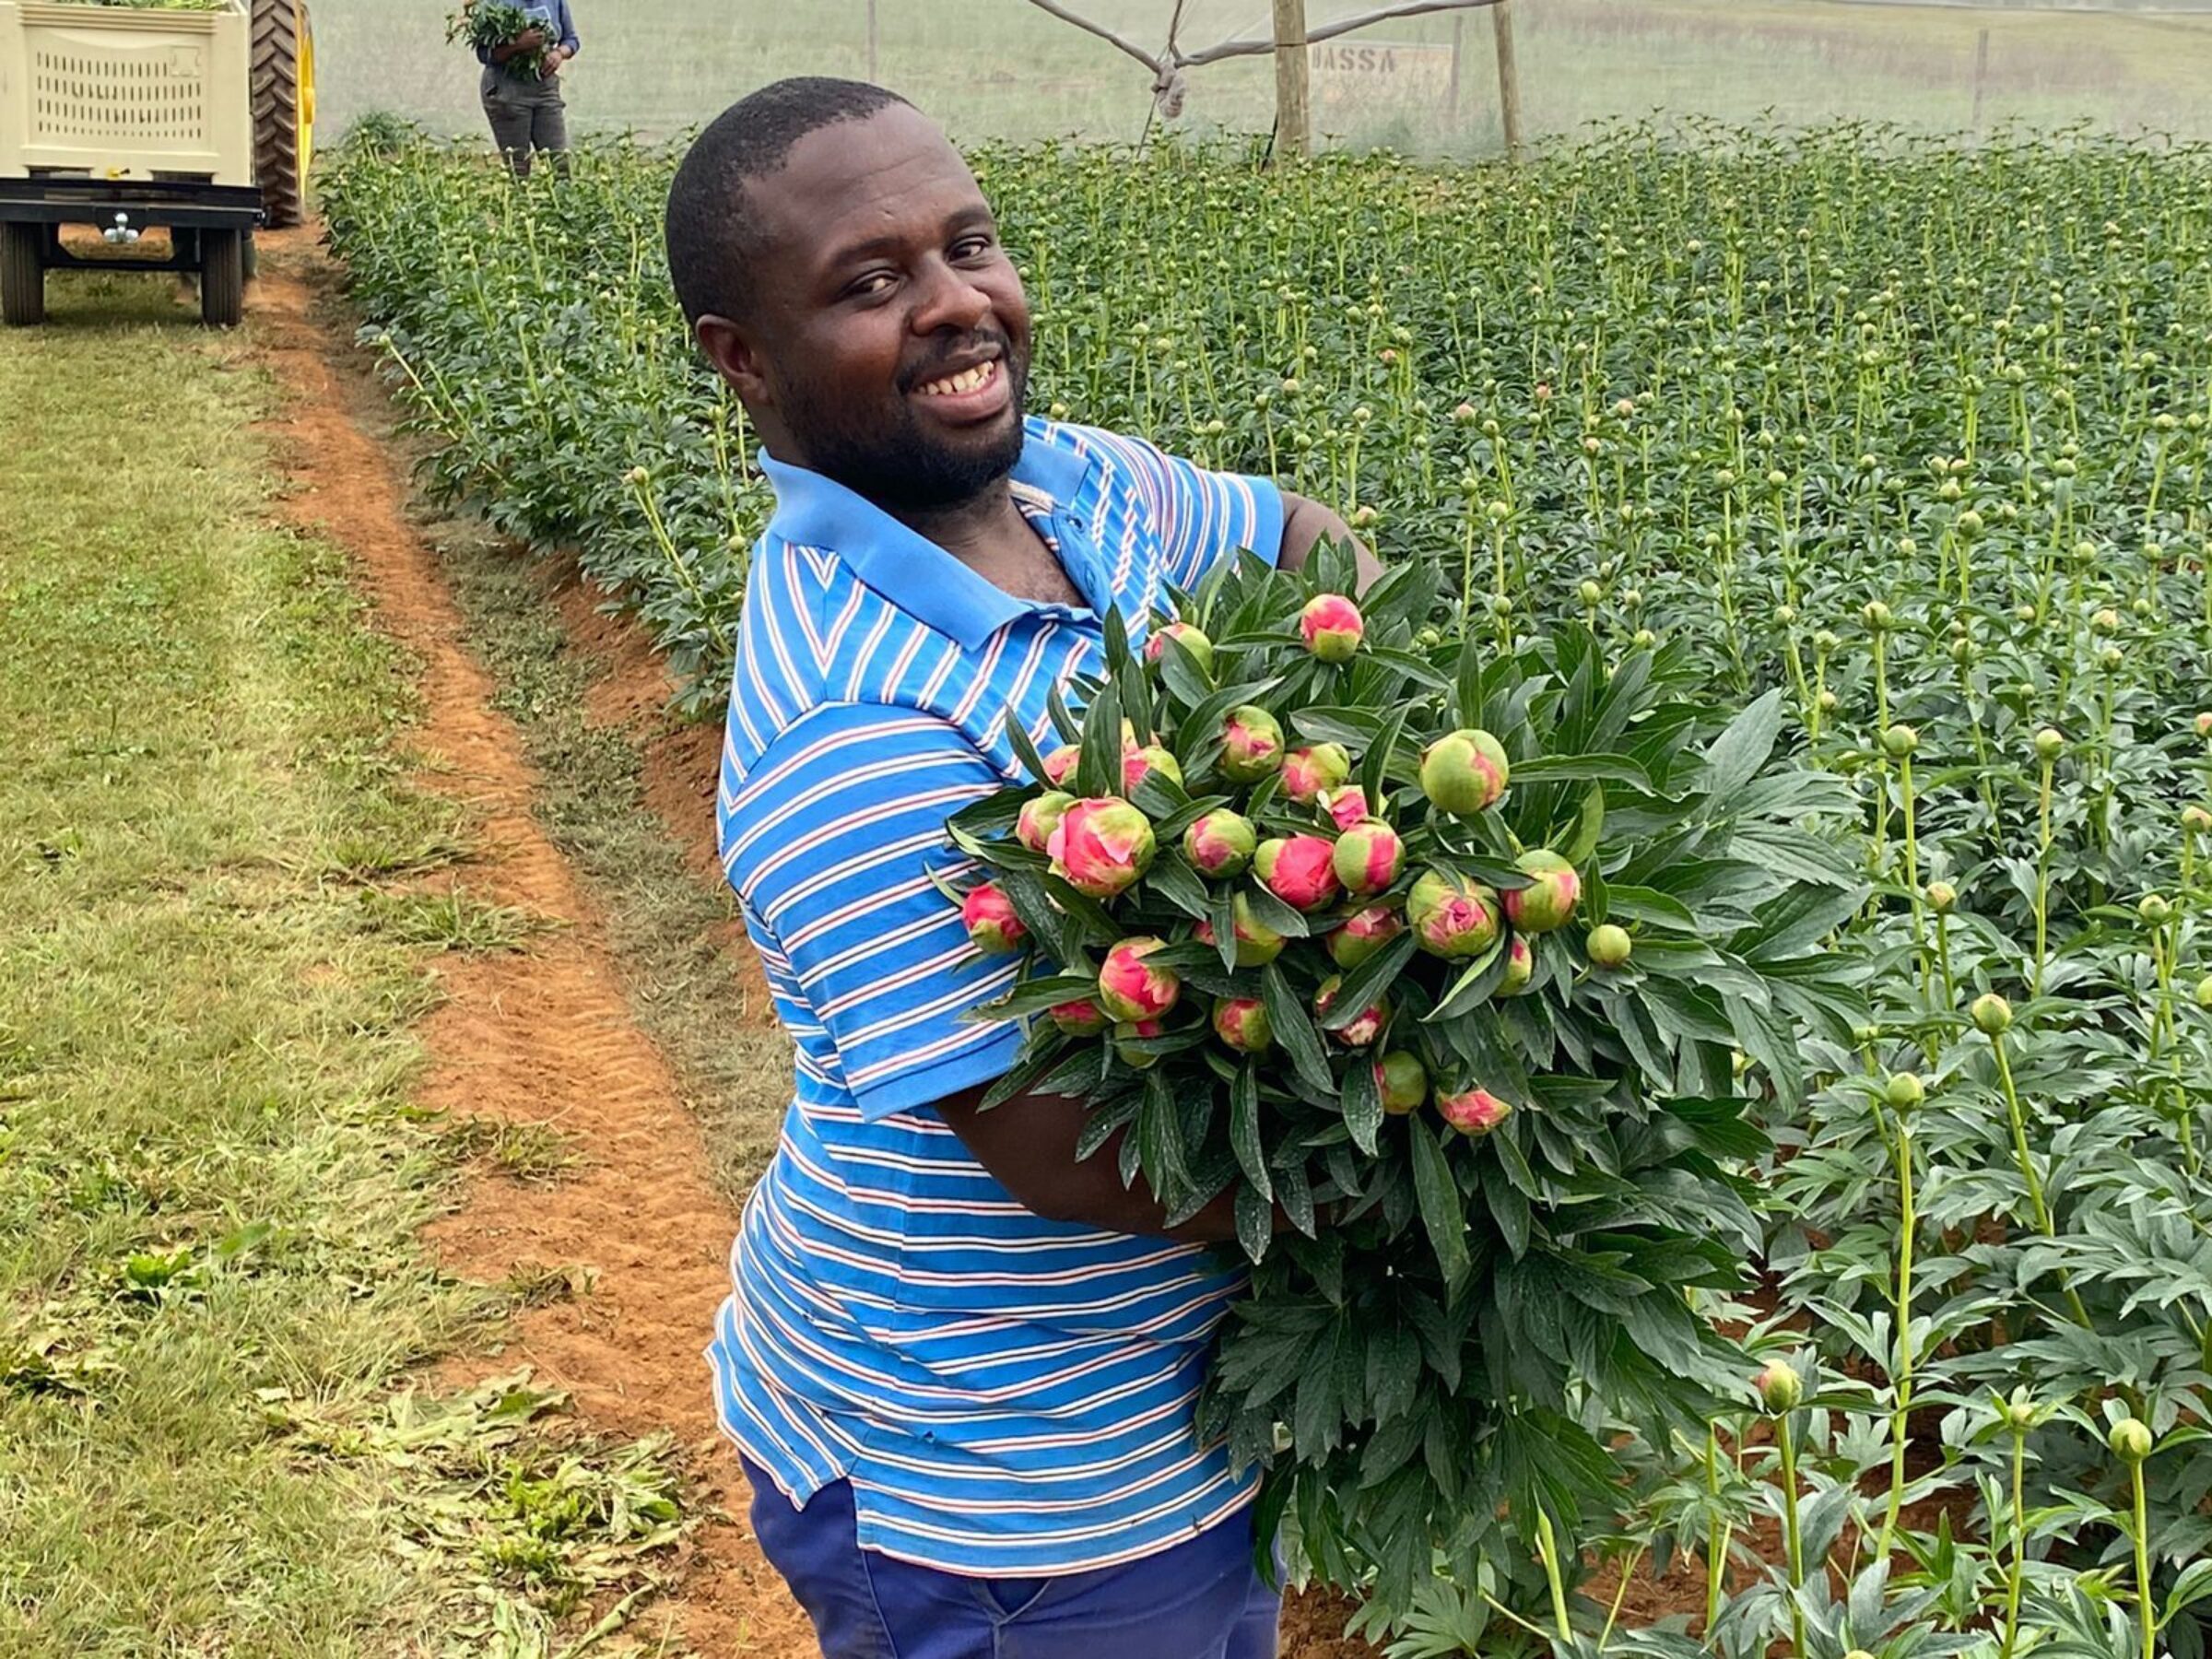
pixel 843 271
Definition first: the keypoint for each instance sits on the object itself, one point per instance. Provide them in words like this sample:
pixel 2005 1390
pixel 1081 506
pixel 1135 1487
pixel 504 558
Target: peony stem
pixel 1901 1370
pixel 1549 1543
pixel 1788 1443
pixel 2026 1162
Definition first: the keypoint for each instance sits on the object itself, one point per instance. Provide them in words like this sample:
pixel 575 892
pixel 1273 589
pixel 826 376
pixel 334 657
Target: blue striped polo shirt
pixel 1009 1396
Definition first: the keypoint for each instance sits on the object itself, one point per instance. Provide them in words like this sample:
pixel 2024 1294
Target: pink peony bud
pixel 988 915
pixel 1366 932
pixel 1345 806
pixel 1299 870
pixel 1040 817
pixel 1128 989
pixel 1403 1080
pixel 1307 772
pixel 1359 1031
pixel 1257 944
pixel 1082 1017
pixel 1520 967
pixel 1060 765
pixel 1139 763
pixel 1101 846
pixel 1367 856
pixel 1473 1111
pixel 1252 744
pixel 1189 638
pixel 1464 772
pixel 1332 625
pixel 1452 916
pixel 1135 1058
pixel 1221 844
pixel 1549 900
pixel 1242 1023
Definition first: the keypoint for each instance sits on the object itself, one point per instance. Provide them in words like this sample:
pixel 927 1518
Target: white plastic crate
pixel 123 93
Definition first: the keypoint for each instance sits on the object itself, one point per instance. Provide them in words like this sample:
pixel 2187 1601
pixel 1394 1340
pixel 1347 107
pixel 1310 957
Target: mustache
pixel 942 360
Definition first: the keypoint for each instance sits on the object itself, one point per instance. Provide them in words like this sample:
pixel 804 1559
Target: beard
pixel 905 465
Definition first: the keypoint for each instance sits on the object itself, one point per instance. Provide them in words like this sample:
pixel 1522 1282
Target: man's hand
pixel 1305 522
pixel 554 58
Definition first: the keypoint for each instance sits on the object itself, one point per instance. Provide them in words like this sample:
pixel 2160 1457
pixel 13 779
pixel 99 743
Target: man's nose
pixel 950 299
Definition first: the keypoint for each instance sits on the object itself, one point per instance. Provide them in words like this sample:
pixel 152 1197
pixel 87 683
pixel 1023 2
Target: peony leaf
pixel 1443 1214
pixel 1255 1222
pixel 1244 1130
pixel 1738 753
pixel 1294 1030
pixel 1362 1102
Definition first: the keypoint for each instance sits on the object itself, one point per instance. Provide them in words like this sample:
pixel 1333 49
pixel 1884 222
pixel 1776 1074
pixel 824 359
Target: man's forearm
pixel 1029 1144
pixel 1305 522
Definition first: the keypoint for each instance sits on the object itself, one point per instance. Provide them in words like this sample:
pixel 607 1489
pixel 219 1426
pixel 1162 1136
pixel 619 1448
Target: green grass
pixel 1001 68
pixel 210 1179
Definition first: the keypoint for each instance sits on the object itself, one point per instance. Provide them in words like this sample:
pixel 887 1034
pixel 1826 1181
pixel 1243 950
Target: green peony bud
pixel 1904 1091
pixel 1992 1015
pixel 2049 743
pixel 1780 1387
pixel 2130 1440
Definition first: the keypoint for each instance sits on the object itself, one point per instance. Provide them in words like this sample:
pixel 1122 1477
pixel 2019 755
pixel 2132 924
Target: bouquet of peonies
pixel 1465 964
pixel 481 24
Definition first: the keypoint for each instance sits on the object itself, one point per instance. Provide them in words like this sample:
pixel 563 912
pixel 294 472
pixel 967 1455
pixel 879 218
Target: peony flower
pixel 1101 846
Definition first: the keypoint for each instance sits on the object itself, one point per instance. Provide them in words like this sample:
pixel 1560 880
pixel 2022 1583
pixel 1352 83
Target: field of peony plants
pixel 1711 956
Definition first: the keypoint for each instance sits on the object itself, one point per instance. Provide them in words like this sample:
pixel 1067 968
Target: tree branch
pixel 1249 47
pixel 1100 30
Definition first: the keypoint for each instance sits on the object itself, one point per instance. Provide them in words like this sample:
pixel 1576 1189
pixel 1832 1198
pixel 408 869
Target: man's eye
pixel 972 247
pixel 874 283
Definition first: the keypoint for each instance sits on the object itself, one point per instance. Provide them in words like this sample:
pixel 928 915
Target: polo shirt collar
pixel 909 570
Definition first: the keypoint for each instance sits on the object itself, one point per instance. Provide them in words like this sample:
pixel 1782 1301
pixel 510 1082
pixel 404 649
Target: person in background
pixel 522 87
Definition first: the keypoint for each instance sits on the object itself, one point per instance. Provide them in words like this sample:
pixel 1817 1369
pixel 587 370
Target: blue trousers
pixel 1199 1600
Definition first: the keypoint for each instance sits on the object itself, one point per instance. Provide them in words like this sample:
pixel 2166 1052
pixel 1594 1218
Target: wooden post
pixel 872 40
pixel 1293 120
pixel 1980 76
pixel 1459 42
pixel 1509 79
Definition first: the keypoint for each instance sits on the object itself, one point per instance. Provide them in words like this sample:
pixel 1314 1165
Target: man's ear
pixel 730 348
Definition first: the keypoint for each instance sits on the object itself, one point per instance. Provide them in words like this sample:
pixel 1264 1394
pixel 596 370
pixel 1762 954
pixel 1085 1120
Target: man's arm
pixel 1305 522
pixel 1029 1145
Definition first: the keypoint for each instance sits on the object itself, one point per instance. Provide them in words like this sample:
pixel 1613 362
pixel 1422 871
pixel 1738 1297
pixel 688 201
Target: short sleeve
pixel 1201 517
pixel 830 840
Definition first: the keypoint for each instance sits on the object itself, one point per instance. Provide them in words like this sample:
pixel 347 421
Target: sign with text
pixel 1349 75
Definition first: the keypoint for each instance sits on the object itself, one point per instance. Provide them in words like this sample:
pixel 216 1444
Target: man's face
pixel 889 344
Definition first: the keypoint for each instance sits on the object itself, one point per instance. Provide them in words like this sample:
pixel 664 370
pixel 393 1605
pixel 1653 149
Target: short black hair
pixel 713 240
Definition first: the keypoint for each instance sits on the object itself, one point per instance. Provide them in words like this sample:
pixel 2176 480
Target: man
pixel 961 1365
pixel 522 87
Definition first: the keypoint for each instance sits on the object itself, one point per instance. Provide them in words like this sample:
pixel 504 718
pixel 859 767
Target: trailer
pixel 127 118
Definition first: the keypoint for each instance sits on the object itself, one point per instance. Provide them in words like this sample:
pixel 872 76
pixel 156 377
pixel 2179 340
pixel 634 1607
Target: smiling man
pixel 961 1365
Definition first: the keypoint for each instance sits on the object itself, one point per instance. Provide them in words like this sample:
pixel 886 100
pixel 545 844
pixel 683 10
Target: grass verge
pixel 211 1181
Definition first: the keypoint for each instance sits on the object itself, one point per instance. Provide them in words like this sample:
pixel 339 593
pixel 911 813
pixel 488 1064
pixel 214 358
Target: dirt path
pixel 542 1036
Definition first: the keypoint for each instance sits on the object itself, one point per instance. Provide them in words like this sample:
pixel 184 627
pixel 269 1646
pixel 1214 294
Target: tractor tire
pixel 22 274
pixel 284 108
pixel 222 279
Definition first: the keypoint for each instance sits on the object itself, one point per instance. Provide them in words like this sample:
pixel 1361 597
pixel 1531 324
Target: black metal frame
pixel 182 207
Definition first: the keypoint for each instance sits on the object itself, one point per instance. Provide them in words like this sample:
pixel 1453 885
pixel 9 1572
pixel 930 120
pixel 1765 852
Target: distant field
pixel 1002 68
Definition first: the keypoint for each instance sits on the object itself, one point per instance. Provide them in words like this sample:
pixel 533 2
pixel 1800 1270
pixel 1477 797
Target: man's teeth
pixel 969 381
